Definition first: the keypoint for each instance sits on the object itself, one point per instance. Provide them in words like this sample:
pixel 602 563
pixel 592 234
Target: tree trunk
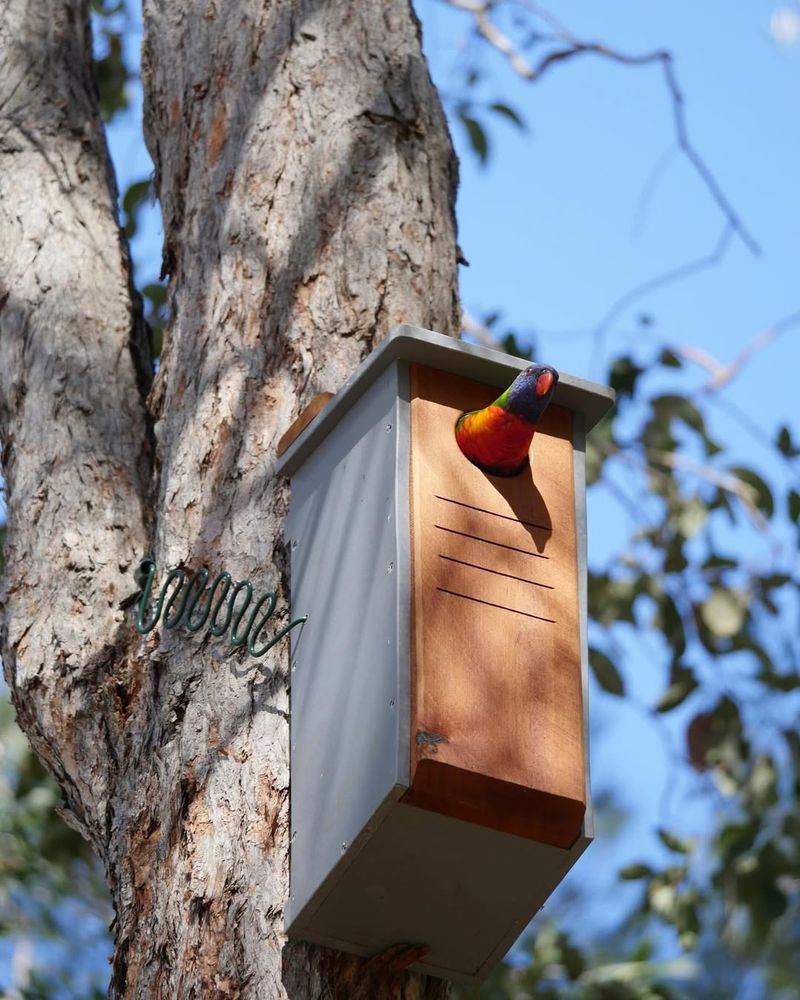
pixel 307 183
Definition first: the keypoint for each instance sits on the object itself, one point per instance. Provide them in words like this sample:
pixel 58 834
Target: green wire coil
pixel 190 595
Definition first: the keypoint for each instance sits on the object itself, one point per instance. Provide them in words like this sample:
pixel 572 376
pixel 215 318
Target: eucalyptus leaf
pixel 506 111
pixel 669 359
pixel 785 444
pixel 794 506
pixel 682 684
pixel 134 198
pixel 692 517
pixel 624 375
pixel 606 674
pixel 724 612
pixel 670 406
pixel 636 871
pixel 111 74
pixel 676 844
pixel 764 499
pixel 476 135
pixel 663 900
pixel 715 561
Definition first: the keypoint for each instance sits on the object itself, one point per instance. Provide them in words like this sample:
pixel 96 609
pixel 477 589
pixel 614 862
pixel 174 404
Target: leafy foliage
pixel 476 116
pixel 155 298
pixel 53 898
pixel 110 68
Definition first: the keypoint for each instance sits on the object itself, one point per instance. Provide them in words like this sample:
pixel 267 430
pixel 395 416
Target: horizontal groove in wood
pixel 496 589
pixel 508 561
pixel 489 541
pixel 502 607
pixel 482 522
pixel 493 513
pixel 497 572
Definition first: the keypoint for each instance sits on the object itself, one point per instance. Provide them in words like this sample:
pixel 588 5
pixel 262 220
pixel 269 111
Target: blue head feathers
pixel 530 392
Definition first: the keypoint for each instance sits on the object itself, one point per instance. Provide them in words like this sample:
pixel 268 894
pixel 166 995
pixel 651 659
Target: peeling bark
pixel 307 184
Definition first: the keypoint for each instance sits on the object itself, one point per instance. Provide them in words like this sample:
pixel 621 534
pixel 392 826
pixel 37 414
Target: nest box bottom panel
pixel 454 893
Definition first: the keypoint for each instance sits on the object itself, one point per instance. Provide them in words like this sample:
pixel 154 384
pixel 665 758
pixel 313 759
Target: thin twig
pixel 549 19
pixel 494 36
pixel 479 332
pixel 665 59
pixel 669 277
pixel 723 480
pixel 636 511
pixel 481 9
pixel 722 374
pixel 746 421
pixel 655 457
pixel 649 188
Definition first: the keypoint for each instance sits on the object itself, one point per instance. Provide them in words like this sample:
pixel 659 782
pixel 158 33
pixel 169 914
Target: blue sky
pixel 550 227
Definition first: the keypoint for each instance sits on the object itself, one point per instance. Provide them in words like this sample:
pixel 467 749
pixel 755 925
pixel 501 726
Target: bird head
pixel 531 391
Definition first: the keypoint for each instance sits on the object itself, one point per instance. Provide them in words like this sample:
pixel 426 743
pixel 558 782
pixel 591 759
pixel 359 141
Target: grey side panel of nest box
pixel 412 344
pixel 348 709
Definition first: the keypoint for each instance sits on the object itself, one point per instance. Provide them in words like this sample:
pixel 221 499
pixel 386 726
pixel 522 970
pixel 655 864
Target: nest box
pixel 439 786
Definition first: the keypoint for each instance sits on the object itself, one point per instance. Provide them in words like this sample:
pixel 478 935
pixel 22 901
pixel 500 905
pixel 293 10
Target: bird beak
pixel 544 383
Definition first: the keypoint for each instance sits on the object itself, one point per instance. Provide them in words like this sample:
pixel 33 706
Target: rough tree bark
pixel 307 183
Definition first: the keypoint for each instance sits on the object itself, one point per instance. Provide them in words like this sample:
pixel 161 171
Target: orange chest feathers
pixel 495 440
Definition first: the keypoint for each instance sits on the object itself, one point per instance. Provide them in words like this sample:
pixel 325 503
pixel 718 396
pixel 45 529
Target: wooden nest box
pixel 439 787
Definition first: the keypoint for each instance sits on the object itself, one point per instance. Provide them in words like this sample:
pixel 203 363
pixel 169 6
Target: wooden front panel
pixel 496 705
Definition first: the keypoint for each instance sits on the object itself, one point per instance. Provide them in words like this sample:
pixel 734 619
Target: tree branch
pixel 662 280
pixel 722 374
pixel 478 331
pixel 75 444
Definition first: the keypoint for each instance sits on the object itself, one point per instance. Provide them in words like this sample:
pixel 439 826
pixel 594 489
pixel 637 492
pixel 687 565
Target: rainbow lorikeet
pixel 498 437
